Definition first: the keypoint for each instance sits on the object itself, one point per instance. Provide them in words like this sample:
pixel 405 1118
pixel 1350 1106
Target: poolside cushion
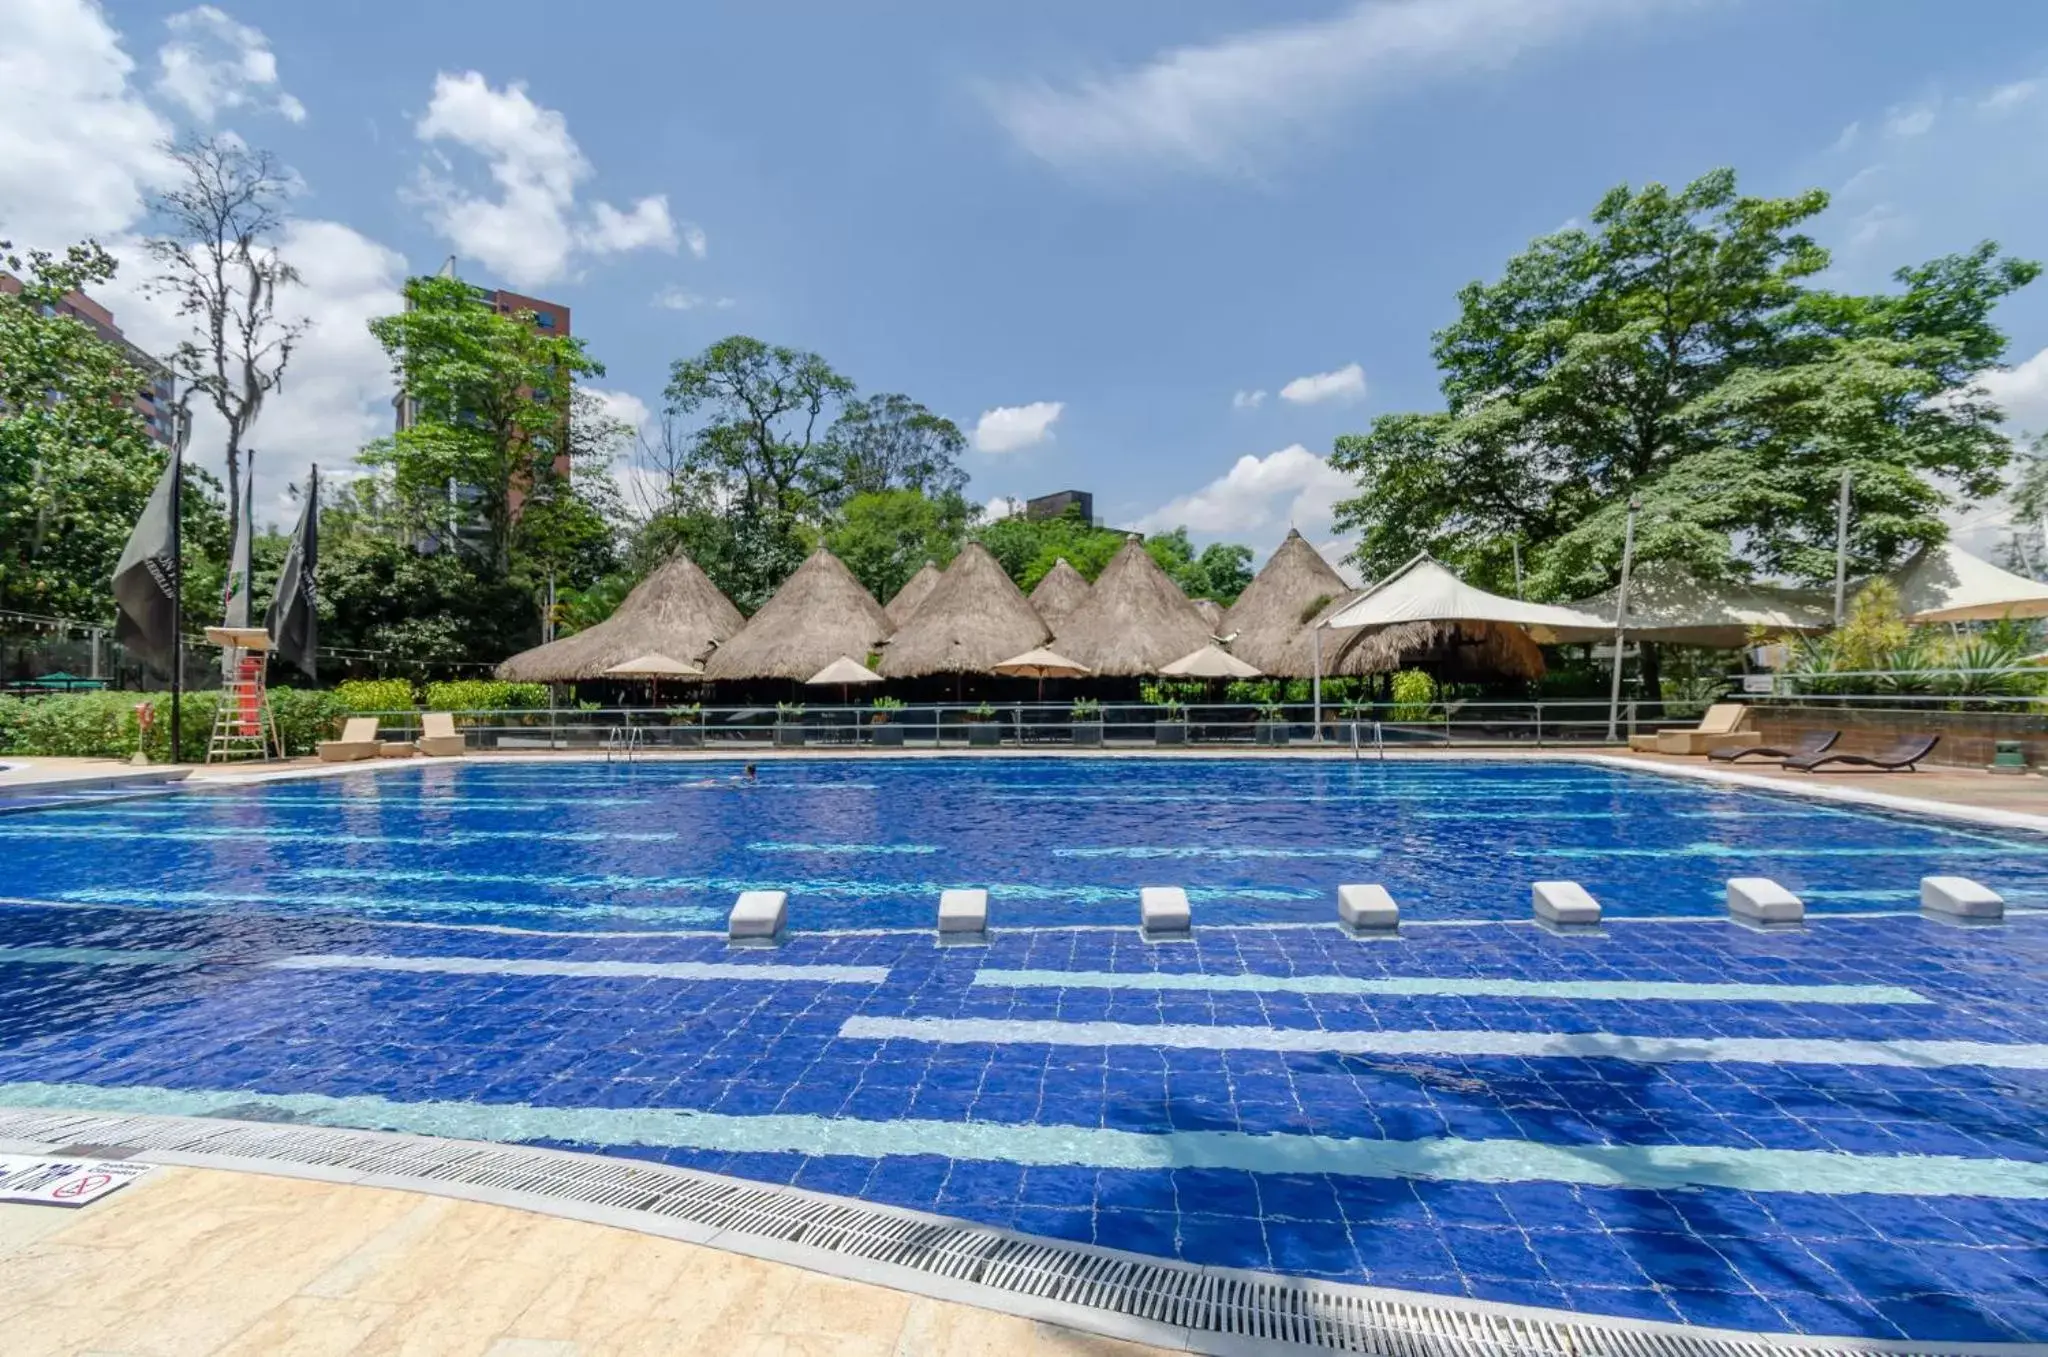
pixel 757 914
pixel 438 736
pixel 1367 907
pixel 963 911
pixel 1761 900
pixel 1960 897
pixel 358 741
pixel 1564 902
pixel 1164 909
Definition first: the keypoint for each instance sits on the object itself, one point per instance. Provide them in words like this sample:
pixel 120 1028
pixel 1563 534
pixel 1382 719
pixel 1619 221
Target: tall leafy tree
pixel 1678 352
pixel 890 442
pixel 885 536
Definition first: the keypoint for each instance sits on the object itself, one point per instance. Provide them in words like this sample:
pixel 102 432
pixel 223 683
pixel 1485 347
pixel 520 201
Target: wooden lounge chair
pixel 1812 743
pixel 1716 730
pixel 438 736
pixel 358 741
pixel 1900 757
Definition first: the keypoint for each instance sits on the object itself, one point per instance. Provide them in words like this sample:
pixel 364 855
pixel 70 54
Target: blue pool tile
pixel 1140 1231
pixel 1224 1241
pixel 1496 1253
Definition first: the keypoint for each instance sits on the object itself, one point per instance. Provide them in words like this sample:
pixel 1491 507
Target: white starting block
pixel 1564 902
pixel 1958 897
pixel 963 914
pixel 757 916
pixel 1369 909
pixel 1164 909
pixel 1760 900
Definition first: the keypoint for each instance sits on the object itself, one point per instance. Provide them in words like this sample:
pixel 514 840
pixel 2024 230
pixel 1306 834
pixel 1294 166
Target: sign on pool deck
pixel 63 1182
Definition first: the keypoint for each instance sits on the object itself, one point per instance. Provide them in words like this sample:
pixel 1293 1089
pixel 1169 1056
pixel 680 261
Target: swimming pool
pixel 1833 1130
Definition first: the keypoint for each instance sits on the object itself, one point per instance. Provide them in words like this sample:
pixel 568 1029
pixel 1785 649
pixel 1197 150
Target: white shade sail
pixel 1210 662
pixel 843 671
pixel 1947 584
pixel 1667 603
pixel 1424 590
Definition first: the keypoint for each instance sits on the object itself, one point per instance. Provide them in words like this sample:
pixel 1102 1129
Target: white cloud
pixel 1259 497
pixel 530 231
pixel 1001 507
pixel 1230 106
pixel 1874 224
pixel 696 241
pixel 214 63
pixel 78 146
pixel 1850 136
pixel 1248 400
pixel 682 299
pixel 1346 383
pixel 1008 428
pixel 1914 120
pixel 2006 98
pixel 2022 391
pixel 623 406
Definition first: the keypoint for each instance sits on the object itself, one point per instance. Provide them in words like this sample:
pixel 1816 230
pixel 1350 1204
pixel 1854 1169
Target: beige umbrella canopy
pixel 1269 625
pixel 655 668
pixel 1210 662
pixel 820 613
pixel 1060 594
pixel 1041 664
pixel 844 671
pixel 675 611
pixel 1136 621
pixel 974 618
pixel 913 593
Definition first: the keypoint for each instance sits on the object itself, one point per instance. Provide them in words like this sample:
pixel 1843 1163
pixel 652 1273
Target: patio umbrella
pixel 1041 664
pixel 844 671
pixel 655 668
pixel 1210 662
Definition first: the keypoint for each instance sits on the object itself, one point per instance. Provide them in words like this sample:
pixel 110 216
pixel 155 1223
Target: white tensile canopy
pixel 1947 584
pixel 1667 603
pixel 1424 590
pixel 1210 662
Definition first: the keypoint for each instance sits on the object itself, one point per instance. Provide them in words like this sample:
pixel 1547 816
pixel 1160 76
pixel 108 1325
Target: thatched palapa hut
pixel 913 593
pixel 972 621
pixel 1060 594
pixel 1269 623
pixel 1211 612
pixel 1136 620
pixel 676 611
pixel 820 613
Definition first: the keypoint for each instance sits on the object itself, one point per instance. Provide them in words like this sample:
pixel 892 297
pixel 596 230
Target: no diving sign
pixel 63 1182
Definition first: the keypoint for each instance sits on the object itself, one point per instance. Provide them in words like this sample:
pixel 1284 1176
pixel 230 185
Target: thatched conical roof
pixel 675 611
pixel 913 593
pixel 1136 620
pixel 1457 649
pixel 820 613
pixel 1211 613
pixel 1269 623
pixel 976 618
pixel 1060 594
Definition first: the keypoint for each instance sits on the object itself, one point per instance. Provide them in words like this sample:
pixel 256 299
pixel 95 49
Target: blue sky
pixel 1136 215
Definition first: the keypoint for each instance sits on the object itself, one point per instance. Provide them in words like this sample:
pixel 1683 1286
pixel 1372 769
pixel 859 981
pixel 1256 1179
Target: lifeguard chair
pixel 244 726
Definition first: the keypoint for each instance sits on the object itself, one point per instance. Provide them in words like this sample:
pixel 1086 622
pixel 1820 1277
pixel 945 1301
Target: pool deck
pixel 195 1261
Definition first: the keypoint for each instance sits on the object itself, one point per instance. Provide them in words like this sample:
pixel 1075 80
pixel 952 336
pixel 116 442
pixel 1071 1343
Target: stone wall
pixel 1967 737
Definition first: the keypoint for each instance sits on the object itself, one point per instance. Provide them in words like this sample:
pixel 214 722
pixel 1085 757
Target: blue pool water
pixel 1842 1129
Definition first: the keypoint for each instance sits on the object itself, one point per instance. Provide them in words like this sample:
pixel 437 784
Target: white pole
pixel 1316 681
pixel 1628 551
pixel 1841 546
pixel 1518 567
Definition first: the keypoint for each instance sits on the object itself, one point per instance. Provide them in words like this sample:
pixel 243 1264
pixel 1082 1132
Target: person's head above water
pixel 750 775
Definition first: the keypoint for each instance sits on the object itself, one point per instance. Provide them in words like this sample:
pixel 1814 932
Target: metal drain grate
pixel 1163 1301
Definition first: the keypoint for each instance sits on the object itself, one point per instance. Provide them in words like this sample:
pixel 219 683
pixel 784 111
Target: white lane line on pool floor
pixel 1429 986
pixel 95 956
pixel 1826 1172
pixel 1535 1045
pixel 585 970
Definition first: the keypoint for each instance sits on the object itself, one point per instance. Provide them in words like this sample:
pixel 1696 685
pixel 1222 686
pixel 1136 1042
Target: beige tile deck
pixel 197 1262
pixel 2026 793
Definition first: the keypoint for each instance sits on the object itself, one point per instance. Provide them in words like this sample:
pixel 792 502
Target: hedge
pixel 376 695
pixel 485 695
pixel 103 725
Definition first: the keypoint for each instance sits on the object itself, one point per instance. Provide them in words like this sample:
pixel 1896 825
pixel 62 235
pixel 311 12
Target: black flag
pixel 293 624
pixel 146 580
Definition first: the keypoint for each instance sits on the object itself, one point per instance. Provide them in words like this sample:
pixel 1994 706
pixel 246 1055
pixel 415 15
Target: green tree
pixel 76 461
pixel 1029 547
pixel 889 442
pixel 885 536
pixel 491 396
pixel 1220 572
pixel 1676 352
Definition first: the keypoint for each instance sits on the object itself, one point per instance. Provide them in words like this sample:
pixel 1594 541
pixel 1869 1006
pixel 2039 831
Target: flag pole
pixel 183 431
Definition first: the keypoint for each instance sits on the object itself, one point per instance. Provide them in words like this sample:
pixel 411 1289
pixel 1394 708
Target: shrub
pixel 376 695
pixel 485 695
pixel 1086 709
pixel 1413 692
pixel 103 725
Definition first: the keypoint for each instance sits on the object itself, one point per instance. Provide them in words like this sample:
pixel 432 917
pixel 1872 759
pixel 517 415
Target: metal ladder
pixel 623 742
pixel 1379 744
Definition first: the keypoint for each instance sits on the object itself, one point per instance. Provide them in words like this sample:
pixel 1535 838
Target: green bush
pixel 485 695
pixel 1413 692
pixel 104 726
pixel 376 695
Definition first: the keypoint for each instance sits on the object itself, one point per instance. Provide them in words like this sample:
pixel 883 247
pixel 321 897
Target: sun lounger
pixel 1716 730
pixel 358 741
pixel 438 737
pixel 1899 758
pixel 1812 743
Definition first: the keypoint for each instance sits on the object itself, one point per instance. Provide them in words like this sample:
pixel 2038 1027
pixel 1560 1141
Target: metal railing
pixel 629 731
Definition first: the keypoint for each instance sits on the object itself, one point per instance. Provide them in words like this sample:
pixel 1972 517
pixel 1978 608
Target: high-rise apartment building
pixel 153 396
